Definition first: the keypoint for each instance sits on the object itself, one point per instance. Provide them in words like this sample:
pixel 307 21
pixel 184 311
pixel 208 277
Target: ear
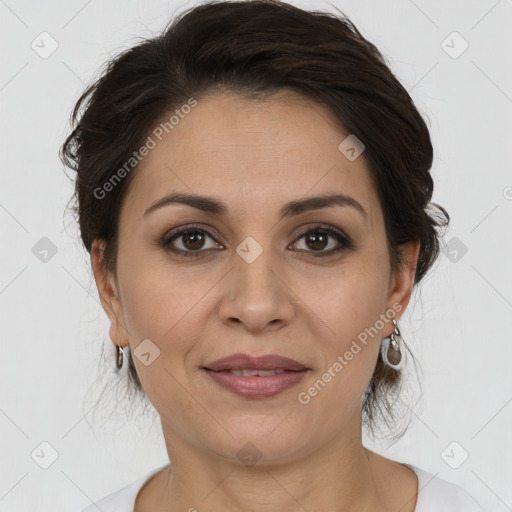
pixel 108 293
pixel 401 282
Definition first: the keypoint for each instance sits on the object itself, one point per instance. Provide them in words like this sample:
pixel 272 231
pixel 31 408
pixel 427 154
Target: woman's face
pixel 249 283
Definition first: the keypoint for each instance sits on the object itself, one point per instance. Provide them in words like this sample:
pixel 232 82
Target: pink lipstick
pixel 256 377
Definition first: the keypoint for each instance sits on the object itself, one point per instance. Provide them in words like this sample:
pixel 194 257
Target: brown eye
pixel 191 241
pixel 318 238
pixel 317 241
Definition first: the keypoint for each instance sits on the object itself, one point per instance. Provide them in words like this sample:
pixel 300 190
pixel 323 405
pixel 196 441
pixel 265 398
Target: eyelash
pixel 344 240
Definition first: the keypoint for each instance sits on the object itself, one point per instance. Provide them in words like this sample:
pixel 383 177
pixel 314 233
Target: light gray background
pixel 52 330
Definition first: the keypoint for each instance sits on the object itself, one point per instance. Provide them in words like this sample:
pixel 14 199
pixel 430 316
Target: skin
pixel 254 156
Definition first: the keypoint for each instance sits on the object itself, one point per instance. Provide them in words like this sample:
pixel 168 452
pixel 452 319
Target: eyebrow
pixel 215 207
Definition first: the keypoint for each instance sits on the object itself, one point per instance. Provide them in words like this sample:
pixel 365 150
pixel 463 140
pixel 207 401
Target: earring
pixel 390 349
pixel 119 357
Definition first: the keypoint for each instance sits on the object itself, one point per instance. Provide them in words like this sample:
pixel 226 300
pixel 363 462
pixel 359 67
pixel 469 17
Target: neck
pixel 337 476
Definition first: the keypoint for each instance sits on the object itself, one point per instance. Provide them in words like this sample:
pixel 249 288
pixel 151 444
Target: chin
pixel 260 442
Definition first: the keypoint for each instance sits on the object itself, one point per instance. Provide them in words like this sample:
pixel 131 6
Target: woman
pixel 253 187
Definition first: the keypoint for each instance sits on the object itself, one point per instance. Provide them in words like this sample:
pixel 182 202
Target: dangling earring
pixel 390 349
pixel 119 357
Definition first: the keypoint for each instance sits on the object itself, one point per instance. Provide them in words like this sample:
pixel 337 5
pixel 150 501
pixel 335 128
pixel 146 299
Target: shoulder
pixel 122 500
pixel 438 495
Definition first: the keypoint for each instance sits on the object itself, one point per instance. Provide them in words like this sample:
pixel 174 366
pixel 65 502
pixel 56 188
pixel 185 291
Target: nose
pixel 256 294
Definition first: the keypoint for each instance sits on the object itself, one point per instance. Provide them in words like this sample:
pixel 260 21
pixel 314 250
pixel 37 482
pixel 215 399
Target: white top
pixel 435 495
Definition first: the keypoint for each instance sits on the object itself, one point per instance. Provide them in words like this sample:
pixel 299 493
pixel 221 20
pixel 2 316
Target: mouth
pixel 250 373
pixel 256 377
pixel 241 362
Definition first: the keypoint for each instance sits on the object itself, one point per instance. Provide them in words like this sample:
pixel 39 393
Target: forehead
pixel 251 151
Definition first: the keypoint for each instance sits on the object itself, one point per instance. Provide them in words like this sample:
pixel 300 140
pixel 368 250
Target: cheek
pixel 354 301
pixel 156 294
pixel 352 311
pixel 349 355
pixel 167 305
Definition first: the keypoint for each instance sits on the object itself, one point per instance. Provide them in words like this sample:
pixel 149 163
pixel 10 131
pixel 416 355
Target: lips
pixel 256 377
pixel 240 362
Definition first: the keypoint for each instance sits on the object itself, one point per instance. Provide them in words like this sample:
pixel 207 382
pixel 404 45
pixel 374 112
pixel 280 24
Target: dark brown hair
pixel 254 49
